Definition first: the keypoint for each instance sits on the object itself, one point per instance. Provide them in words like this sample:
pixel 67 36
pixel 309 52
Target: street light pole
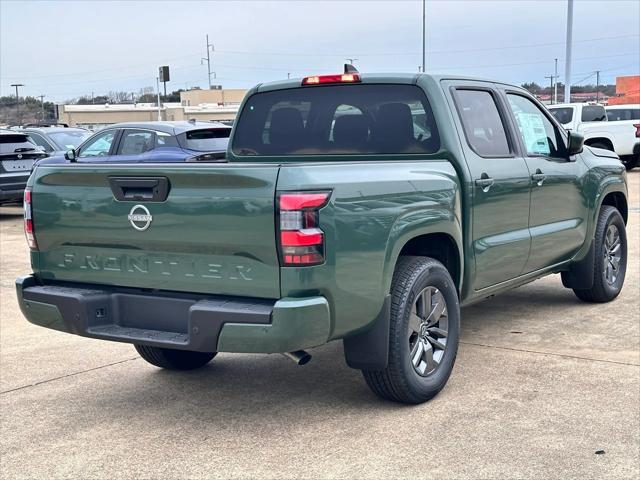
pixel 18 101
pixel 159 108
pixel 424 35
pixel 41 97
pixel 208 60
pixel 567 67
pixel 555 84
pixel 597 86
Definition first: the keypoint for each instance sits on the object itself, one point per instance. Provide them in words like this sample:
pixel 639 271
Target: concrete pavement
pixel 541 383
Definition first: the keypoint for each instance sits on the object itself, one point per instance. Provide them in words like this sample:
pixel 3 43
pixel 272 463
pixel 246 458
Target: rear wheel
pixel 172 359
pixel 610 258
pixel 423 333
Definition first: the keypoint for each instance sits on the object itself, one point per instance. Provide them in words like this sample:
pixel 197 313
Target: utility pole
pixel 289 75
pixel 424 35
pixel 555 84
pixel 41 97
pixel 551 77
pixel 18 101
pixel 92 102
pixel 597 86
pixel 208 60
pixel 159 108
pixel 567 67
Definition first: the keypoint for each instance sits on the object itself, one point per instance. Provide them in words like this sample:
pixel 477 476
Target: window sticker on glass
pixel 533 133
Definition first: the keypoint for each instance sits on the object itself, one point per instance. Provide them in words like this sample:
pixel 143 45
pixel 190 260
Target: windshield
pixel 69 139
pixel 563 115
pixel 206 140
pixel 337 120
pixel 16 143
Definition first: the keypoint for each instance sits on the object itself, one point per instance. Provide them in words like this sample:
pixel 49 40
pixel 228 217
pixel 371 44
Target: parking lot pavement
pixel 541 383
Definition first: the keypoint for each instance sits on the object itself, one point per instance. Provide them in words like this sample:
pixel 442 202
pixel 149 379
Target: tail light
pixel 28 220
pixel 338 78
pixel 637 125
pixel 301 239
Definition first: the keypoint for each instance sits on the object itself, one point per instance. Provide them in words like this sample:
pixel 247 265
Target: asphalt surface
pixel 542 382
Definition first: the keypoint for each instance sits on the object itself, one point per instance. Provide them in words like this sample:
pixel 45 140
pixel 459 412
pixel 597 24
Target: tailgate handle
pixel 148 189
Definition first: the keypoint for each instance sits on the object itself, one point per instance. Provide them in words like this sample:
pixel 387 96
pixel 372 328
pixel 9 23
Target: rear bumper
pixel 175 320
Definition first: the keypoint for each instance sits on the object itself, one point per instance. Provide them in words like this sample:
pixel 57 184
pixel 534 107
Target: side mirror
pixel 70 155
pixel 576 142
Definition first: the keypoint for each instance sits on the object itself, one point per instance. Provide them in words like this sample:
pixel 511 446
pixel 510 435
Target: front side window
pixel 563 114
pixel 99 146
pixel 135 142
pixel 482 123
pixel 337 120
pixel 593 113
pixel 539 135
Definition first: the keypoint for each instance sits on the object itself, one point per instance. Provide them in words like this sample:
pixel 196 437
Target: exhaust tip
pixel 299 357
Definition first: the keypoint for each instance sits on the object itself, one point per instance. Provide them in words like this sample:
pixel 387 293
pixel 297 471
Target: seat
pixel 286 131
pixel 351 132
pixel 394 128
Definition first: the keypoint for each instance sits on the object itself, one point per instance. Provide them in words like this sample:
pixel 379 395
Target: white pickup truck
pixel 590 119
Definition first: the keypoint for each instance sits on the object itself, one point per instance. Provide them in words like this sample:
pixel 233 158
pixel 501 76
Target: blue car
pixel 152 142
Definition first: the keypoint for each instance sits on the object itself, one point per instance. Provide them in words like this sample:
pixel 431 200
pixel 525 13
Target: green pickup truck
pixel 366 208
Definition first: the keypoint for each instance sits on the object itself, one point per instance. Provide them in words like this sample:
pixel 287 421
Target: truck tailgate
pixel 214 232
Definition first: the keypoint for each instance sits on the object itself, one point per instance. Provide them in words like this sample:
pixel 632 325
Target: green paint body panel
pixel 295 324
pixel 216 233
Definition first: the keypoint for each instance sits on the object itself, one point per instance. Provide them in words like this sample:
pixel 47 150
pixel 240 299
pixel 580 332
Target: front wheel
pixel 423 333
pixel 610 258
pixel 172 359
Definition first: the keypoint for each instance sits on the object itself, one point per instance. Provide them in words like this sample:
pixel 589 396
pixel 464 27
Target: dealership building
pixel 216 104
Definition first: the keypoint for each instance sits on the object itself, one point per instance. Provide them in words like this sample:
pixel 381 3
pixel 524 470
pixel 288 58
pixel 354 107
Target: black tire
pixel 400 381
pixel 603 290
pixel 172 359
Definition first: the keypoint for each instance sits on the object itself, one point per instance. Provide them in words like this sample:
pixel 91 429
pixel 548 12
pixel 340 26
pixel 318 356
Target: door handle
pixel 538 177
pixel 484 182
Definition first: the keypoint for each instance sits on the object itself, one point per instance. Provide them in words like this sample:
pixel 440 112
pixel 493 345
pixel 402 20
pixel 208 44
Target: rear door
pixel 501 186
pixel 180 227
pixel 134 145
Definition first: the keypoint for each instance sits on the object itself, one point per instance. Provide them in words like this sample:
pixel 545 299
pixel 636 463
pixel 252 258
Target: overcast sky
pixel 64 49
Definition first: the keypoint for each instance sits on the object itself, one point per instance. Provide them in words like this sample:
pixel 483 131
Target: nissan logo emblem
pixel 140 217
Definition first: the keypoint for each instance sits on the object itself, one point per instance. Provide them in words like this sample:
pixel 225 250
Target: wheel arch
pixel 599 139
pixel 618 200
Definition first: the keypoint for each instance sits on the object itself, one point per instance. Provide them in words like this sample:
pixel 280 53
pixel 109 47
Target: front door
pixel 500 187
pixel 557 221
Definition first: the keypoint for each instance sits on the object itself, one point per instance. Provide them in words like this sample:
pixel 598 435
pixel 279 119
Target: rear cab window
pixel 593 113
pixel 351 119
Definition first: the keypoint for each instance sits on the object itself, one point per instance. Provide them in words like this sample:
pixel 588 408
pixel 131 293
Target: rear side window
pixel 482 123
pixel 615 114
pixel 135 142
pixel 563 115
pixel 593 113
pixel 206 140
pixel 337 120
pixel 15 143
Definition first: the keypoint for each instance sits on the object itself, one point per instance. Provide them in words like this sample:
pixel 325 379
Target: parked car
pixel 56 139
pixel 152 142
pixel 322 226
pixel 17 155
pixel 591 120
pixel 623 112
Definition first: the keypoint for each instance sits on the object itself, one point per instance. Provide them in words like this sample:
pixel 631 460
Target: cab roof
pixel 173 128
pixel 399 78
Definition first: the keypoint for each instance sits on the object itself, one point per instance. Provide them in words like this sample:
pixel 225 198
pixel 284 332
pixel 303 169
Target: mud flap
pixel 580 275
pixel 369 350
